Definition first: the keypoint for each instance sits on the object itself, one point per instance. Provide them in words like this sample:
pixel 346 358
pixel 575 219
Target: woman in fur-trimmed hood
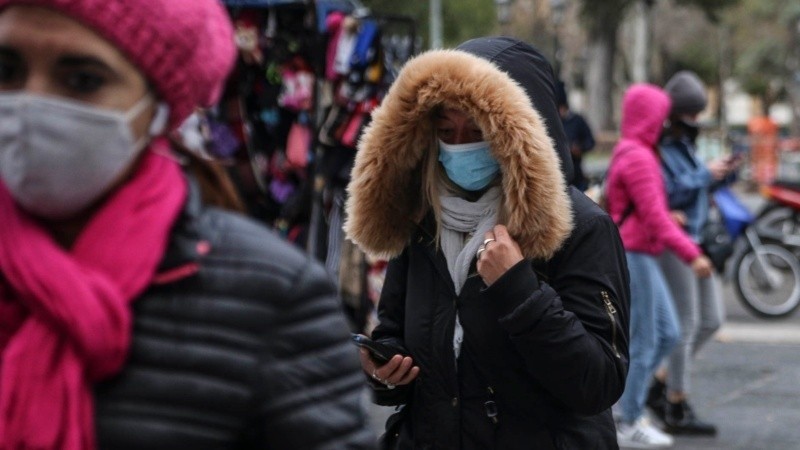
pixel 506 295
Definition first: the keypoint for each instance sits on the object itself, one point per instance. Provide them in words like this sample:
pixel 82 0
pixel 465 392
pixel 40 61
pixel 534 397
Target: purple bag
pixel 224 143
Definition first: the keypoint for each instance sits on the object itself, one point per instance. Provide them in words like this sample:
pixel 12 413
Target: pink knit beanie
pixel 185 48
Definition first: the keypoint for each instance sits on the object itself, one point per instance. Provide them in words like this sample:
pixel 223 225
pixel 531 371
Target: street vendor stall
pixel 308 75
pixel 266 123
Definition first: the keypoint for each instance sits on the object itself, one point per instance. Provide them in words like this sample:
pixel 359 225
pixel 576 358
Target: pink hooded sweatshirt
pixel 634 177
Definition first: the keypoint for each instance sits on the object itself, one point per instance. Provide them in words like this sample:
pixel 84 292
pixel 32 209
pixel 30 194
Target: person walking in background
pixel 579 135
pixel 698 300
pixel 136 313
pixel 638 204
pixel 506 298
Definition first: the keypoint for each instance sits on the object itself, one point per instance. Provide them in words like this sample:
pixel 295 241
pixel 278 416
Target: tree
pixel 766 45
pixel 469 19
pixel 701 46
pixel 711 8
pixel 602 20
pixel 473 18
pixel 696 47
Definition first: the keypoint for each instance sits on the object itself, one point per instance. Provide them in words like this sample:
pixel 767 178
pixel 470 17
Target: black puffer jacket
pixel 239 344
pixel 545 348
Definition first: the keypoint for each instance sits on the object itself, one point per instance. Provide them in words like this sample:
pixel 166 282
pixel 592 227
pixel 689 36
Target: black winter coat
pixel 547 343
pixel 545 349
pixel 239 344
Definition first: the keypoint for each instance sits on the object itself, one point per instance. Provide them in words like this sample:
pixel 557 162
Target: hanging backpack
pixel 598 192
pixel 366 47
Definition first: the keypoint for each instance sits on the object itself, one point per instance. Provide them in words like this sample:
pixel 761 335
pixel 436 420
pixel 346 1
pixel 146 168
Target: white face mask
pixel 59 156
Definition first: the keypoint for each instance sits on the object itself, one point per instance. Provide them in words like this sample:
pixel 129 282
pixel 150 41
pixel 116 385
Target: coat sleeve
pixel 682 179
pixel 309 373
pixel 572 331
pixel 391 314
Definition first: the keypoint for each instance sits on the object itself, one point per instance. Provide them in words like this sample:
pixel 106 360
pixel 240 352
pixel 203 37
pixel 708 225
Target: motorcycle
pixel 764 268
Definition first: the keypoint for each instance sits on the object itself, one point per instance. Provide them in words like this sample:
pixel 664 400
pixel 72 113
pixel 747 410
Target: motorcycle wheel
pixel 771 290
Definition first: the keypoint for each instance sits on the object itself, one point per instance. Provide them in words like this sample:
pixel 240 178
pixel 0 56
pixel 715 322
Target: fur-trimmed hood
pixel 507 87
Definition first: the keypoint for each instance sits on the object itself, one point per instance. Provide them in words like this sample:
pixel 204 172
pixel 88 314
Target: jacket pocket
pixel 611 312
pixel 390 440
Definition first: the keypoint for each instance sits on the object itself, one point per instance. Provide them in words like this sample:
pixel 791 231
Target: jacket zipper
pixel 611 310
pixel 491 407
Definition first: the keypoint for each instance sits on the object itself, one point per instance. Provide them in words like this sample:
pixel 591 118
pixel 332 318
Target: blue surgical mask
pixel 471 166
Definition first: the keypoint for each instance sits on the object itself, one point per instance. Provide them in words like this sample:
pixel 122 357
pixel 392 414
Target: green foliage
pixel 462 19
pixel 606 14
pixel 467 19
pixel 698 57
pixel 412 8
pixel 609 13
pixel 790 14
pixel 712 8
pixel 762 42
pixel 417 10
pixel 759 65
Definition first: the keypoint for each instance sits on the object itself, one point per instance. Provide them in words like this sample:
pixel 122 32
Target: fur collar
pixel 385 187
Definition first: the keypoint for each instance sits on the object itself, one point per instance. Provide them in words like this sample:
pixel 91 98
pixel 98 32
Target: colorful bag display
pixel 353 129
pixel 298 144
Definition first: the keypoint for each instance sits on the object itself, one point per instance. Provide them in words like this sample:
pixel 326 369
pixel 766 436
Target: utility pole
pixel 503 15
pixel 557 8
pixel 641 41
pixel 723 73
pixel 436 23
pixel 793 67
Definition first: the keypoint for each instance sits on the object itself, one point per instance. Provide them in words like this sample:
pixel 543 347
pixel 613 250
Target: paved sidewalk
pixel 776 333
pixel 750 390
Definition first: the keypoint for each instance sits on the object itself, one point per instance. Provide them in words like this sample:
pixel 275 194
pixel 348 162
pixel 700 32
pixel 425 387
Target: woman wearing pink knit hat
pixel 135 312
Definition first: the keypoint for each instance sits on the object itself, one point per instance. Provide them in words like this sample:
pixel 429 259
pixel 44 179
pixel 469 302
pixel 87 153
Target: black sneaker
pixel 680 419
pixel 657 399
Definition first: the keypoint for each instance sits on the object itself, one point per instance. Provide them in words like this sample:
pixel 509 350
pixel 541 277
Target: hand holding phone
pixel 381 353
pixel 380 362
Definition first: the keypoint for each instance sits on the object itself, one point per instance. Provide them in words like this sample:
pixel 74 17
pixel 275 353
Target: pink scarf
pixel 65 316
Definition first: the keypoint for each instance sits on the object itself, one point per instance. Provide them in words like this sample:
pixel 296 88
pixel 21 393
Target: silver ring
pixel 486 242
pixel 481 249
pixel 381 380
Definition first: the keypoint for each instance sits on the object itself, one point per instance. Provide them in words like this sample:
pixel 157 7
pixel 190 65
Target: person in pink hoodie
pixel 637 202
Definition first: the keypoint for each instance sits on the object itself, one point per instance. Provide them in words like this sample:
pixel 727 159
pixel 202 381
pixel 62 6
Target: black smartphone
pixel 381 353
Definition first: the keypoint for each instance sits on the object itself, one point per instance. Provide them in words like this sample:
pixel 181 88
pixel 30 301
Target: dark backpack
pixel 598 192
